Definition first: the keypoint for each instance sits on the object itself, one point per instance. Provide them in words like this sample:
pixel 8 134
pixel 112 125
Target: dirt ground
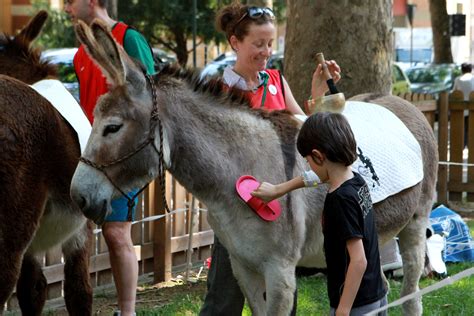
pixel 148 295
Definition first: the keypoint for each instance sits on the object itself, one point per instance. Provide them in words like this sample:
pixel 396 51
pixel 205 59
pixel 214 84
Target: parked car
pixel 217 66
pixel 400 81
pixel 162 58
pixel 63 58
pixel 433 78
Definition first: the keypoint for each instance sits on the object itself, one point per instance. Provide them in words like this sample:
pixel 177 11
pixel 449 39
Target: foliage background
pixel 58 30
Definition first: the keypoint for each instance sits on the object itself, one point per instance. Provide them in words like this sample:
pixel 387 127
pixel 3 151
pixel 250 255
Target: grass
pixel 455 299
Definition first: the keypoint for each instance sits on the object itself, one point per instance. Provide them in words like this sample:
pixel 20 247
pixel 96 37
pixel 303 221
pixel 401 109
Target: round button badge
pixel 272 89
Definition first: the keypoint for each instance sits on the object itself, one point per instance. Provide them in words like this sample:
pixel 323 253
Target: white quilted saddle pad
pixel 55 92
pixel 393 151
pixel 390 158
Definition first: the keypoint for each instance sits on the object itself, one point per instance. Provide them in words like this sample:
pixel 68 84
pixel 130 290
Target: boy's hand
pixel 267 192
pixel 318 84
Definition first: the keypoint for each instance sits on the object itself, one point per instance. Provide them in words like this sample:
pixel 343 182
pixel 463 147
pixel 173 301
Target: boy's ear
pixel 318 157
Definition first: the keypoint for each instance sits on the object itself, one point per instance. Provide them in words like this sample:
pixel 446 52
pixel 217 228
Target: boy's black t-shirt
pixel 347 214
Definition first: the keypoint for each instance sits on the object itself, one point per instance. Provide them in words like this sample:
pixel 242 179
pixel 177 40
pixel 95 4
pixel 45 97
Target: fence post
pixel 161 236
pixel 443 147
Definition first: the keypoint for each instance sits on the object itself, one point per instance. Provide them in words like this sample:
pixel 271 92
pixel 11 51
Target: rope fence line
pixel 199 209
pixel 426 290
pixel 157 217
pixel 451 163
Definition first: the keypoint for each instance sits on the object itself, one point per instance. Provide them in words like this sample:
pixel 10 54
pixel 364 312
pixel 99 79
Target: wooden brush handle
pixel 327 75
pixel 320 60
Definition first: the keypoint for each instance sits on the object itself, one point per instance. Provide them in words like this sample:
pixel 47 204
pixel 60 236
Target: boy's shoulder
pixel 350 186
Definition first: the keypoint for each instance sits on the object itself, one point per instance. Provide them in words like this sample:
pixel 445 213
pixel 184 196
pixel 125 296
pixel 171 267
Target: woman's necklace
pixel 252 85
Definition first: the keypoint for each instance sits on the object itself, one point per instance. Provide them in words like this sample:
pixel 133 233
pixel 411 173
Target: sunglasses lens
pixel 268 12
pixel 255 12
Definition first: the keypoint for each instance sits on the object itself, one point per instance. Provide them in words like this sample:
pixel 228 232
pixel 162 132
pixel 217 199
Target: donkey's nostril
pixel 82 202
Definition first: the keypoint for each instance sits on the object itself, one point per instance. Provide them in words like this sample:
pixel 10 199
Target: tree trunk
pixel 356 33
pixel 181 46
pixel 441 35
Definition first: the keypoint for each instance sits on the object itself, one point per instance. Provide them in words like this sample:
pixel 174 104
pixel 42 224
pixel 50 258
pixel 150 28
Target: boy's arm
pixel 268 192
pixel 355 272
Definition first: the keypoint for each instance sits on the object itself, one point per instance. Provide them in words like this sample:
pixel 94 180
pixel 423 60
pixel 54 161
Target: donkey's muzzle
pixel 95 213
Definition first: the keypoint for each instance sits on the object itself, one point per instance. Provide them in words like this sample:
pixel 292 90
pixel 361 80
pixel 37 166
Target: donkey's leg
pixel 252 285
pixel 281 287
pixel 412 249
pixel 10 265
pixel 19 218
pixel 31 287
pixel 77 287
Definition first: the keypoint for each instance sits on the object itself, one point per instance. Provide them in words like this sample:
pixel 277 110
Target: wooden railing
pixel 456 176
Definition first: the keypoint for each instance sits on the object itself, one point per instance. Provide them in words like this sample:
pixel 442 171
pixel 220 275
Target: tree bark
pixel 441 35
pixel 356 33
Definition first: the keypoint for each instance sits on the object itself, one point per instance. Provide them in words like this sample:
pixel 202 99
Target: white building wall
pixel 462 46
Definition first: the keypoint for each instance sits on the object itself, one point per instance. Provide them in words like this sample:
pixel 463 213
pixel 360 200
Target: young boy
pixel 354 279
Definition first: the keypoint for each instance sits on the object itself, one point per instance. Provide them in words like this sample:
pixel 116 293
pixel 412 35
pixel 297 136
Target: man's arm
pixel 355 272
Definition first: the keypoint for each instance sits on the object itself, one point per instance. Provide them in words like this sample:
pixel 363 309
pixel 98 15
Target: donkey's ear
pixel 103 50
pixel 111 48
pixel 33 29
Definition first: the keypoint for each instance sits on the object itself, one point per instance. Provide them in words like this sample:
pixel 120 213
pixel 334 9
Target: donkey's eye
pixel 110 129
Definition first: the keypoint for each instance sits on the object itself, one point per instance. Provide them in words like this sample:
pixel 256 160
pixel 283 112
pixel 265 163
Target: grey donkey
pixel 210 138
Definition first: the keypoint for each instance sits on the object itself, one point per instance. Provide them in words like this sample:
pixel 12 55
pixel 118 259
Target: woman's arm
pixel 355 272
pixel 291 104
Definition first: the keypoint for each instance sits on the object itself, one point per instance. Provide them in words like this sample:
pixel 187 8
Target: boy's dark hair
pixel 466 68
pixel 331 134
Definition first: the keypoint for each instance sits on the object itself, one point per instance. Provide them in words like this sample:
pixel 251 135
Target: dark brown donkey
pixel 39 152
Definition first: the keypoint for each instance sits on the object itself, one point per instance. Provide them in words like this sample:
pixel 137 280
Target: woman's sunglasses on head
pixel 255 13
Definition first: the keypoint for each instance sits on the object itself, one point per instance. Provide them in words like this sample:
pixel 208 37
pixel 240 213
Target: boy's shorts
pixel 362 310
pixel 120 209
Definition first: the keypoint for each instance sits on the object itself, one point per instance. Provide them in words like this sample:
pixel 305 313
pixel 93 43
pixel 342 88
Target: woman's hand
pixel 267 192
pixel 318 83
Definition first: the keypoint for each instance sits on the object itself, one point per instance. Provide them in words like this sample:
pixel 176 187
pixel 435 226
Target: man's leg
pixel 123 261
pixel 224 296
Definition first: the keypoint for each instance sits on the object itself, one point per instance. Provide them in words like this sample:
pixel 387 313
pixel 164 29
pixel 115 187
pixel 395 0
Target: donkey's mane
pixel 286 126
pixel 17 47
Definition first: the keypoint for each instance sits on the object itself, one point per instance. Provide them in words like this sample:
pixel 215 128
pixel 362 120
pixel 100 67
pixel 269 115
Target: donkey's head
pixel 18 59
pixel 121 152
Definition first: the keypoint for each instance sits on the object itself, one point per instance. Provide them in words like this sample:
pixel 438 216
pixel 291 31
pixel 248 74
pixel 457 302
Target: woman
pixel 250 32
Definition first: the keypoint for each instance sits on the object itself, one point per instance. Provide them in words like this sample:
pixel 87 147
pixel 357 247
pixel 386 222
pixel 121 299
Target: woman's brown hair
pixel 231 20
